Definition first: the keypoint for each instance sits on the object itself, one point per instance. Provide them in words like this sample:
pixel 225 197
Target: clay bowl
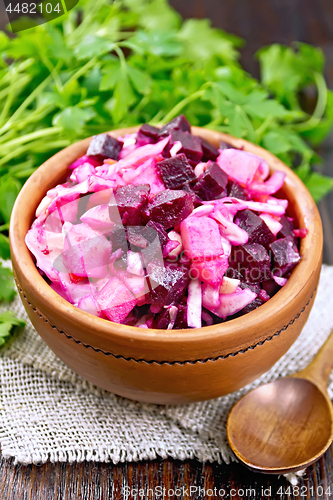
pixel 160 366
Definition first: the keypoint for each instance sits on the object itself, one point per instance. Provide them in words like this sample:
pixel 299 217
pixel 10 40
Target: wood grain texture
pixel 149 480
pixel 261 23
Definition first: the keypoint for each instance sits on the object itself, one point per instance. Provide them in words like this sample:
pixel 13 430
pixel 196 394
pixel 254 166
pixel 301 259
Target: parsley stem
pixel 4 227
pixel 320 106
pixel 53 71
pixel 38 146
pixel 24 80
pixel 34 135
pixel 7 78
pixel 88 17
pixel 7 135
pixel 26 103
pixel 8 103
pixel 181 105
pixel 81 71
pixel 263 127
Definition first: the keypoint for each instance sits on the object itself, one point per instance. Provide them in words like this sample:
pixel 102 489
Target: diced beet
pixel 147 134
pixel 181 318
pixel 270 287
pixel 153 229
pixel 254 287
pixel 232 272
pixel 105 146
pixel 169 208
pixel 195 199
pixel 285 255
pixel 175 171
pixel 255 227
pixel 235 190
pixel 178 123
pixel 119 239
pixel 252 261
pixel 287 228
pixel 211 183
pixel 210 152
pixel 162 319
pixel 168 283
pixel 191 144
pixel 128 202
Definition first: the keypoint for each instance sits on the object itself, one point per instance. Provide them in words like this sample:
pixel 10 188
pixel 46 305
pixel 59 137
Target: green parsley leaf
pixel 141 81
pixel 9 189
pixel 158 43
pixel 110 75
pixel 319 185
pixel 213 42
pixel 93 46
pixel 8 321
pixel 7 288
pixel 73 119
pixel 4 247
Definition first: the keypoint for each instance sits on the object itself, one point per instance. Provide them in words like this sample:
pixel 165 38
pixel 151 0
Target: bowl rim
pixel 105 330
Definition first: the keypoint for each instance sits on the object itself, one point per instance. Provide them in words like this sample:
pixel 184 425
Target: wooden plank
pixel 158 479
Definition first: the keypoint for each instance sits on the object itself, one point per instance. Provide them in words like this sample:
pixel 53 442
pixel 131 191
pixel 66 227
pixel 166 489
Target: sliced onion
pixel 194 304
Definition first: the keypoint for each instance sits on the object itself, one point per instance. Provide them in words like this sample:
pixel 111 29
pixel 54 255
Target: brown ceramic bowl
pixel 161 366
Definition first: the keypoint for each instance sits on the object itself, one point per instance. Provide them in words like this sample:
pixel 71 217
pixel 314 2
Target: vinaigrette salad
pixel 160 229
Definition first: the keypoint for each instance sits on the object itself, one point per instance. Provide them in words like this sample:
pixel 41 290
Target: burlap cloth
pixel 47 412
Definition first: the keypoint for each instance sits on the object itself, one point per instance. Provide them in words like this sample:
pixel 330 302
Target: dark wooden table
pixel 159 479
pixel 260 22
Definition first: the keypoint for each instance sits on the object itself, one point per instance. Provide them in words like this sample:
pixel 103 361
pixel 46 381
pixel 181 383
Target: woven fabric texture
pixel 47 412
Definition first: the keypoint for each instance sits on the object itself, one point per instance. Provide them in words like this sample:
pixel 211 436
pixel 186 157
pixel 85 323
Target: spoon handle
pixel 318 371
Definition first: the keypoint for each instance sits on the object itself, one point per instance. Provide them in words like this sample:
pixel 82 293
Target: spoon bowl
pixel 286 425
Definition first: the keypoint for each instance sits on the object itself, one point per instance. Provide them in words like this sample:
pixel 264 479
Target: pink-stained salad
pixel 160 229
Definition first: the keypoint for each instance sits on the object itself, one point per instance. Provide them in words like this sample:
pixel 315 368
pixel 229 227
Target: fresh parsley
pixel 115 64
pixel 8 322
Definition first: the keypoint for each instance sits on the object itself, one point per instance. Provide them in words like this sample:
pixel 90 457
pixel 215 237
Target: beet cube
pixel 169 207
pixel 153 229
pixel 255 227
pixel 270 287
pixel 181 318
pixel 254 287
pixel 211 183
pixel 147 134
pixel 235 190
pixel 168 283
pixel 285 255
pixel 194 197
pixel 287 228
pixel 105 146
pixel 118 239
pixel 210 152
pixel 178 123
pixel 162 319
pixel 191 144
pixel 128 202
pixel 252 261
pixel 175 171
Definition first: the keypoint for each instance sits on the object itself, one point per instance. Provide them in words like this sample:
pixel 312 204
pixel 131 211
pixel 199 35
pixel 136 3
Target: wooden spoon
pixel 286 425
